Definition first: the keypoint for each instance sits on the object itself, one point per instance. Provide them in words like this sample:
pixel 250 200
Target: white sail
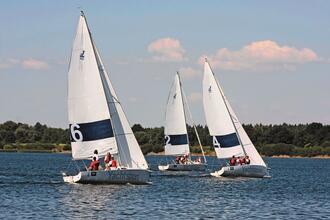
pixel 223 122
pixel 93 102
pixel 218 120
pixel 89 118
pixel 176 137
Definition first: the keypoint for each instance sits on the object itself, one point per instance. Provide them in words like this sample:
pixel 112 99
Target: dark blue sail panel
pixel 178 139
pixel 228 140
pixel 91 131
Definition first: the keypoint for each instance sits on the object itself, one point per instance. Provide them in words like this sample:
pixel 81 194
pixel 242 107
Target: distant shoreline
pixel 162 153
pixel 274 156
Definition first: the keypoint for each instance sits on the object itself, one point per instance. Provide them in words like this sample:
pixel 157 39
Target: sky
pixel 271 58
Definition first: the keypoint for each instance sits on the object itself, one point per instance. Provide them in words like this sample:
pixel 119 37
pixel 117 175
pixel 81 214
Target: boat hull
pixel 120 176
pixel 255 171
pixel 182 167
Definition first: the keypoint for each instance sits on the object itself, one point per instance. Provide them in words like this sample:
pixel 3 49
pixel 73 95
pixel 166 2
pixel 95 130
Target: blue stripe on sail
pixel 178 139
pixel 91 131
pixel 228 140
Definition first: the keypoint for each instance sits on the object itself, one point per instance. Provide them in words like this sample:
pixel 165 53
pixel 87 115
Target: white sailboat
pixel 97 120
pixel 229 136
pixel 176 135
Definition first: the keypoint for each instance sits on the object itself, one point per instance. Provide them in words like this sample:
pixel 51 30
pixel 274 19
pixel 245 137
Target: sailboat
pixel 229 136
pixel 96 118
pixel 176 135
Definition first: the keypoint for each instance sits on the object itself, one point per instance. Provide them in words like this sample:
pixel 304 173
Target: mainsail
pixel 97 120
pixel 176 137
pixel 229 137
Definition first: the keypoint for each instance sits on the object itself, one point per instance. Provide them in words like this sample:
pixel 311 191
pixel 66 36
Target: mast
pixel 231 117
pixel 185 118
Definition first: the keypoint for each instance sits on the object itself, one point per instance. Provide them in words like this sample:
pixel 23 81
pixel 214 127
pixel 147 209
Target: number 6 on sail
pixel 76 132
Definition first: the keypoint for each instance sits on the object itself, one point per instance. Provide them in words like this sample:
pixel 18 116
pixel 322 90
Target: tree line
pixel 296 140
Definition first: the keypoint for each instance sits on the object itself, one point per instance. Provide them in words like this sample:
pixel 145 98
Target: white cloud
pixel 8 63
pixel 34 64
pixel 261 55
pixel 188 72
pixel 167 50
pixel 195 97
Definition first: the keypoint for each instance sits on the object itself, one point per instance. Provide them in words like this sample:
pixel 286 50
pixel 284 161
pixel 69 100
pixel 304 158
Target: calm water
pixel 31 187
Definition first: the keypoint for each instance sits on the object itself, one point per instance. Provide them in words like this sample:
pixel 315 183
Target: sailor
pixel 186 158
pixel 113 163
pixel 94 164
pixel 238 161
pixel 232 161
pixel 107 160
pixel 96 154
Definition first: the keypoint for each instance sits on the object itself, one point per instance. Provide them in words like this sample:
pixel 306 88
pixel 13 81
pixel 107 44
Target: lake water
pixel 31 186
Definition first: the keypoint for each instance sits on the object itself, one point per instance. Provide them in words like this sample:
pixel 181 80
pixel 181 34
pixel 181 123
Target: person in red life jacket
pixel 107 160
pixel 94 164
pixel 238 161
pixel 113 163
pixel 186 156
pixel 232 161
pixel 241 161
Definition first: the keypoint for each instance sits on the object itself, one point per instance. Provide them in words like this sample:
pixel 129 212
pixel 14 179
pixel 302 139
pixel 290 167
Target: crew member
pixel 94 164
pixel 232 161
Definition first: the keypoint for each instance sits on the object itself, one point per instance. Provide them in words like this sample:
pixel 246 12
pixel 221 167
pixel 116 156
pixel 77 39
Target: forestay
pixel 176 137
pixel 89 118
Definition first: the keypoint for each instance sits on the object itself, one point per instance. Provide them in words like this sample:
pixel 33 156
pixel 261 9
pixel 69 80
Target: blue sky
pixel 271 58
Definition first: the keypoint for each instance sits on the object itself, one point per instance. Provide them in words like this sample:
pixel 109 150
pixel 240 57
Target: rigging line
pixel 191 118
pixel 85 165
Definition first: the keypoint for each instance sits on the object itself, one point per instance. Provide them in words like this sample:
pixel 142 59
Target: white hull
pixel 120 176
pixel 256 171
pixel 182 167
